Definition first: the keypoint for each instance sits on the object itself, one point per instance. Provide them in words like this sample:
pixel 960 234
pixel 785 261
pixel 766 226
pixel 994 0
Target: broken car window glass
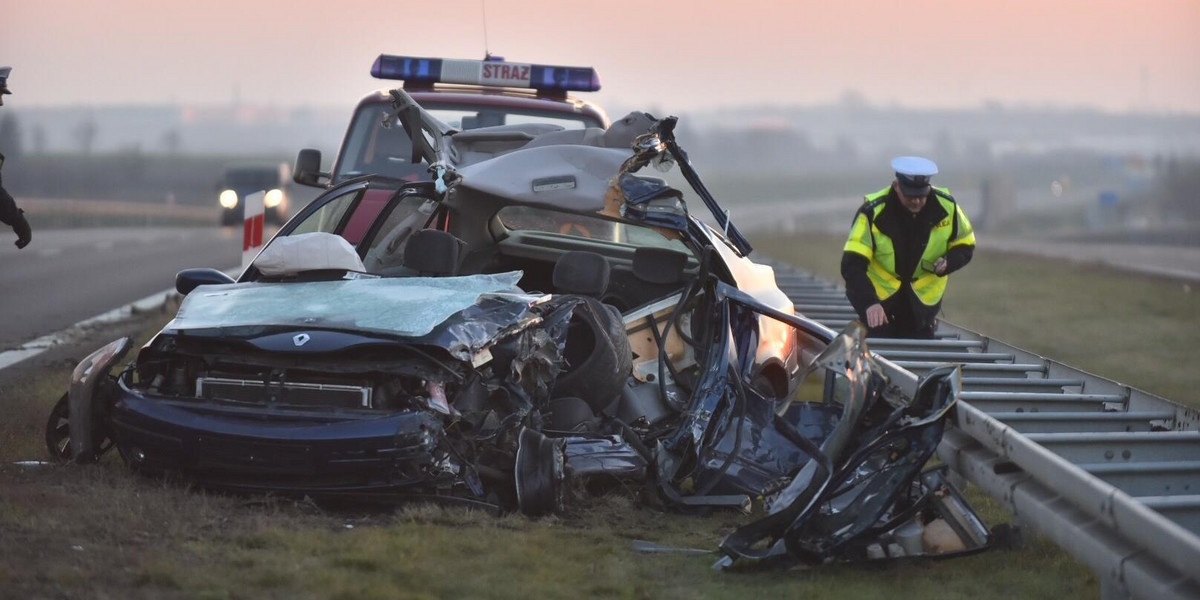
pixel 528 218
pixel 410 306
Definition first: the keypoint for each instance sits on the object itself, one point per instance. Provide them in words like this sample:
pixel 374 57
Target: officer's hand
pixel 876 316
pixel 939 266
pixel 21 228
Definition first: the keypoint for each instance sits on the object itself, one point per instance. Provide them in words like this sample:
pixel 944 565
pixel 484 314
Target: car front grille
pixel 283 393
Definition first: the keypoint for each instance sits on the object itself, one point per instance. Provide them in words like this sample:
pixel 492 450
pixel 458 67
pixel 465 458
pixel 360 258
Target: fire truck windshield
pixel 372 149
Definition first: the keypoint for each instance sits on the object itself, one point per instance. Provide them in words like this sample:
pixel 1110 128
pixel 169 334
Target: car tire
pixel 539 472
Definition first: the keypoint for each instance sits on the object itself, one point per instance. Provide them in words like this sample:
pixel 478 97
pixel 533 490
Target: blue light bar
pixel 486 72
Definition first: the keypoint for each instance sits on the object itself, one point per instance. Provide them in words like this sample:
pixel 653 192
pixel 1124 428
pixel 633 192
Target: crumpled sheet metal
pixel 769 461
pixel 849 491
pixel 610 456
pixel 476 327
pixel 539 352
pixel 866 485
pixel 848 356
pixel 408 307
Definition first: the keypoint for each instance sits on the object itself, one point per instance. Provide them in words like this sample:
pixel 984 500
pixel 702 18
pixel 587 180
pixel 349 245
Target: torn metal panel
pixel 467 334
pixel 849 502
pixel 610 455
pixel 534 355
pixel 860 382
pixel 85 408
pixel 768 452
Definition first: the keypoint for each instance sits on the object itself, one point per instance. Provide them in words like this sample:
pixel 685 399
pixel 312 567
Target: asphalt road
pixel 69 275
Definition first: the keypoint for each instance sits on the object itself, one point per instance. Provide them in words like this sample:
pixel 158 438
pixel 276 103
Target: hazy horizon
pixel 671 55
pixel 619 107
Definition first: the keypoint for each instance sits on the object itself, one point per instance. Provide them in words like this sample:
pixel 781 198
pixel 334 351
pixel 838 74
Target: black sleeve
pixel 8 208
pixel 958 257
pixel 859 290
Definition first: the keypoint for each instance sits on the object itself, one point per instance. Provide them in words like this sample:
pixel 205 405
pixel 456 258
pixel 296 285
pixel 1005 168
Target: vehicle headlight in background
pixel 229 198
pixel 273 198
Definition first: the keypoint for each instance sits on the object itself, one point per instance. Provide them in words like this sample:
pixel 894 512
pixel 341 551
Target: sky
pixel 659 55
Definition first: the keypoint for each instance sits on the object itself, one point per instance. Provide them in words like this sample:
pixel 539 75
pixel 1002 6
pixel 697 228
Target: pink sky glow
pixel 674 55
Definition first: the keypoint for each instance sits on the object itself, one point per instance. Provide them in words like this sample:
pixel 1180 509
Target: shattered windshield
pixel 408 307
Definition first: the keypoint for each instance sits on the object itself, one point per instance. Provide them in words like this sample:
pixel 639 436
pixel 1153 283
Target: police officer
pixel 9 213
pixel 905 240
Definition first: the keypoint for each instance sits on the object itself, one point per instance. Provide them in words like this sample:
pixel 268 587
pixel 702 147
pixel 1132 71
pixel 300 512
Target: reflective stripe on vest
pixel 867 240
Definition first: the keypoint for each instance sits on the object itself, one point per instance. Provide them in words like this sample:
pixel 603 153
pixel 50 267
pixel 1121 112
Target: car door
pixel 328 213
pixel 371 214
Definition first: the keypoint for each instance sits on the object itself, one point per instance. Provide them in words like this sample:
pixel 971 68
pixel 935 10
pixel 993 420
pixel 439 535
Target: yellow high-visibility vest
pixel 867 240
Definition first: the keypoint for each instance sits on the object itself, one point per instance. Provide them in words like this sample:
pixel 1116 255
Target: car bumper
pixel 263 449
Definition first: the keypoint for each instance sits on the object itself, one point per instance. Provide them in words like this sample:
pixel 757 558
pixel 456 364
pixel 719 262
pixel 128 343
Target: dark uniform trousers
pixel 907 317
pixel 11 215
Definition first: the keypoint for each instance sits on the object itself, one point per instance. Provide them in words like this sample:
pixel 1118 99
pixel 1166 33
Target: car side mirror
pixel 308 168
pixel 189 279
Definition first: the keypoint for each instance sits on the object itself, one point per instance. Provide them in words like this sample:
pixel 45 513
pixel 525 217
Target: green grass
pixel 1138 330
pixel 141 538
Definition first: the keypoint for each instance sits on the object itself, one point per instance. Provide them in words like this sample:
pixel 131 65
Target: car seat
pixel 598 359
pixel 432 253
pixel 659 266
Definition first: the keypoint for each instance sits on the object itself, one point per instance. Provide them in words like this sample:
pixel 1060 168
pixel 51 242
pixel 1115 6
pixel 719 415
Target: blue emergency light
pixel 490 72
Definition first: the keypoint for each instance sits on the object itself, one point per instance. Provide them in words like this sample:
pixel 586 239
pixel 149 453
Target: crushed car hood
pixel 460 314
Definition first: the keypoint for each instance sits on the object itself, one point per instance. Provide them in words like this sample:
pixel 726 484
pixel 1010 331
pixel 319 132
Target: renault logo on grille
pixel 301 339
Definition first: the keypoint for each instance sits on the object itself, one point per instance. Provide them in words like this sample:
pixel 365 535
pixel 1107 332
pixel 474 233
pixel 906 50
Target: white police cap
pixel 913 173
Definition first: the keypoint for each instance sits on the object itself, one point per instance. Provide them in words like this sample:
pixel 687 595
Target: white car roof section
pixel 567 177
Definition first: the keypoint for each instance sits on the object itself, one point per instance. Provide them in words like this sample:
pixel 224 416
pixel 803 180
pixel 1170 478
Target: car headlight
pixel 228 198
pixel 273 198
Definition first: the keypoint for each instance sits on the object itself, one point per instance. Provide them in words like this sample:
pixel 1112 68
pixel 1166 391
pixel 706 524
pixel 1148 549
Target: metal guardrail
pixel 1109 472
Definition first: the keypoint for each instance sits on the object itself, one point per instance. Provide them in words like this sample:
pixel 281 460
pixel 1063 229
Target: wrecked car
pixel 537 315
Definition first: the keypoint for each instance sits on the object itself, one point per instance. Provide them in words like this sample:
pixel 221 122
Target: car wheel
pixel 539 474
pixel 58 433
